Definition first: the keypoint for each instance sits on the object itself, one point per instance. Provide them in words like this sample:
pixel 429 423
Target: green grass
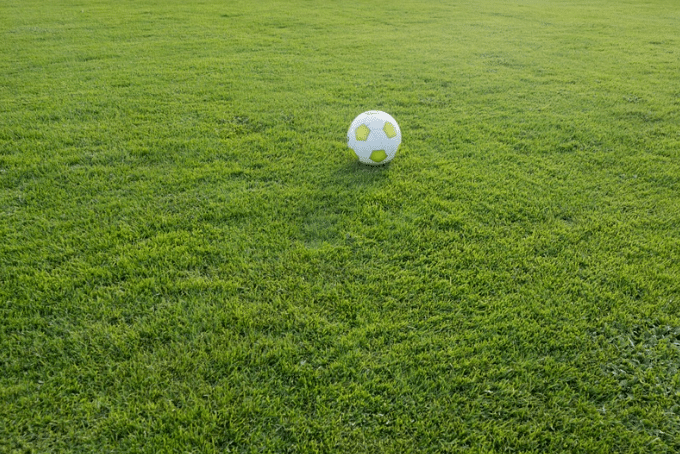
pixel 191 260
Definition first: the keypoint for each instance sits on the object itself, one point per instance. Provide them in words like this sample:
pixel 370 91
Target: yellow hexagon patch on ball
pixel 389 130
pixel 362 132
pixel 378 155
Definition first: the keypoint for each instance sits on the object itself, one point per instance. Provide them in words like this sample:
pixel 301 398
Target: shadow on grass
pixel 346 192
pixel 354 174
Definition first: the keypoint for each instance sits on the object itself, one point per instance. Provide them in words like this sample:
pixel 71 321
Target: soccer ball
pixel 375 137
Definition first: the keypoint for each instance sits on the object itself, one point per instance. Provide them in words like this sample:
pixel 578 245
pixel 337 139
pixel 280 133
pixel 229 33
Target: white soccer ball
pixel 375 137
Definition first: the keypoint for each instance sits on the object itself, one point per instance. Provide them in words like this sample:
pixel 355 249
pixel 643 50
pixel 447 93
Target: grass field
pixel 192 260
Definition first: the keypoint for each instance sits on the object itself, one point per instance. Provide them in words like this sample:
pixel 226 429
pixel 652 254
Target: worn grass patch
pixel 192 260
